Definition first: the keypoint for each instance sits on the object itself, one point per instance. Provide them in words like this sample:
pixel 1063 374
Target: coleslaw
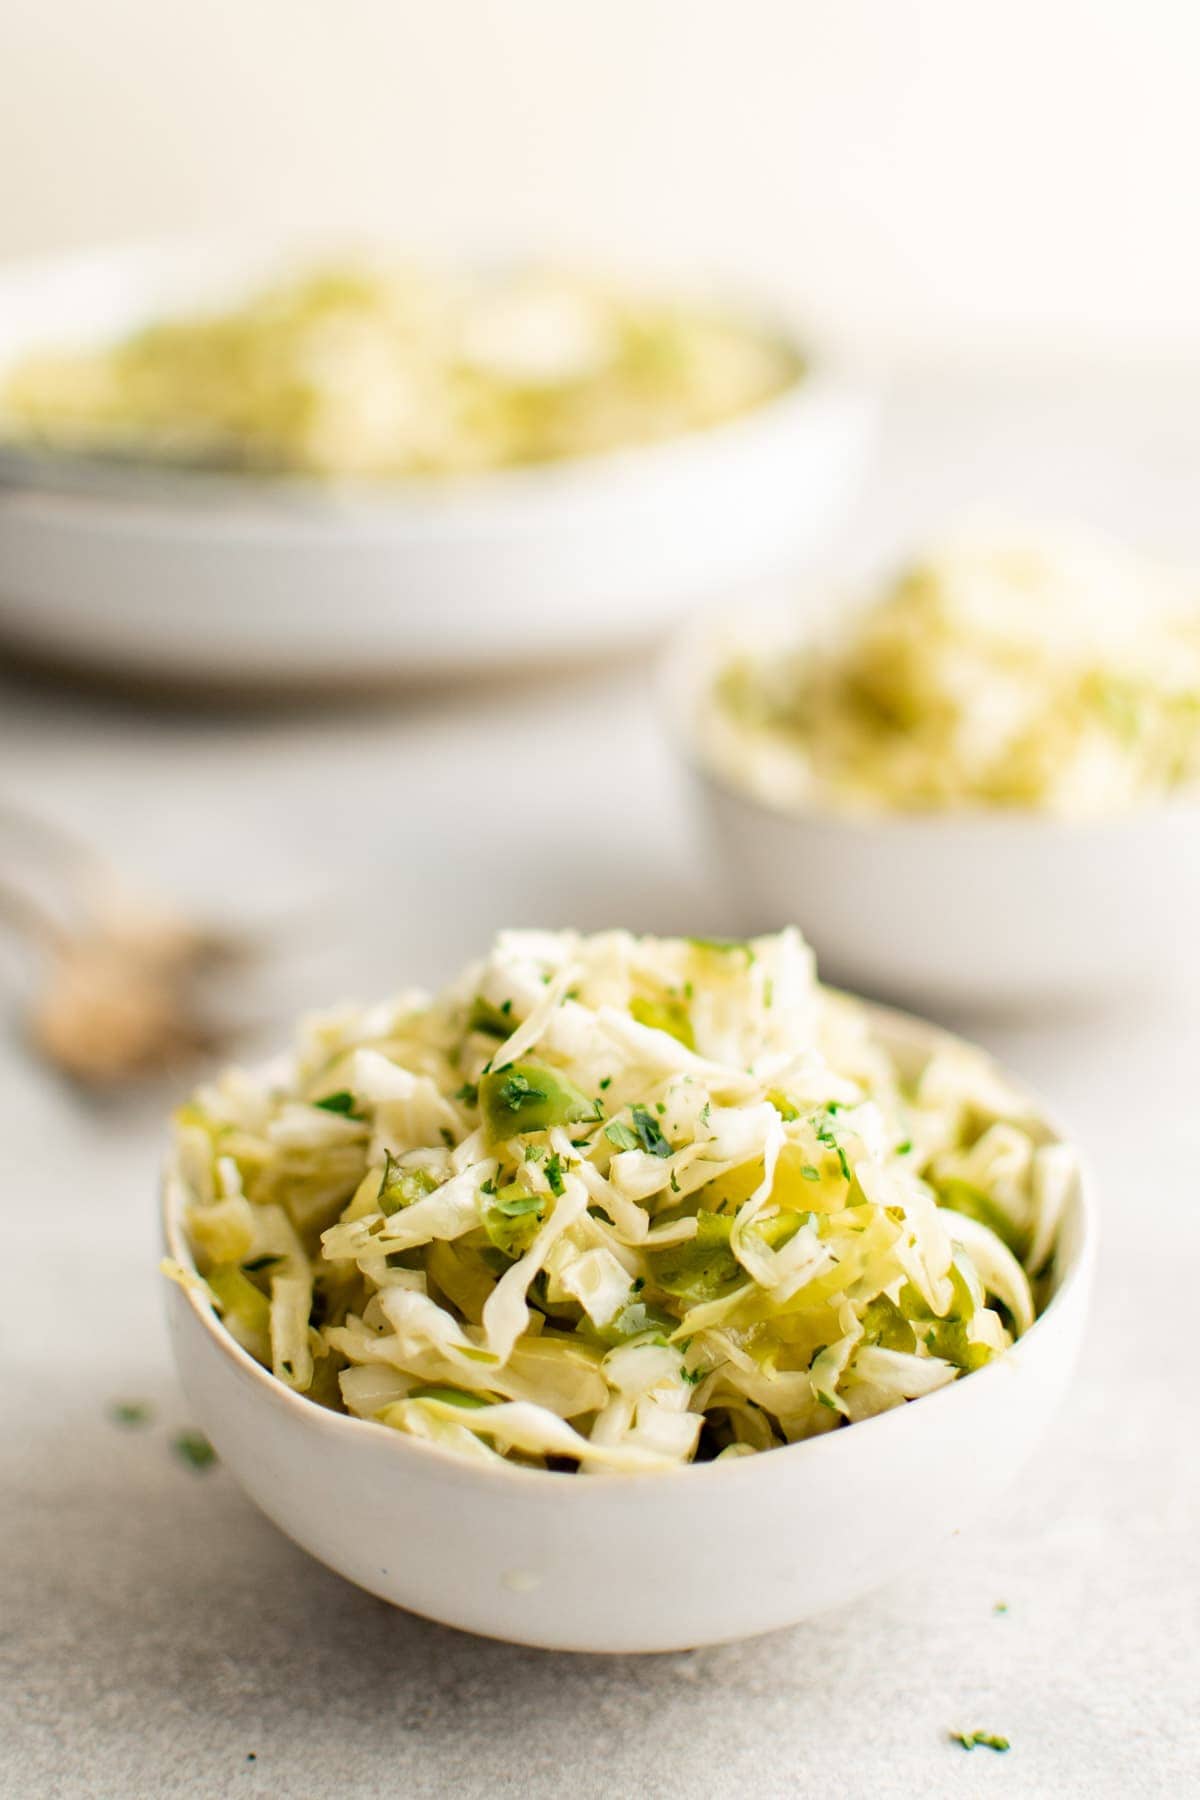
pixel 617 1202
pixel 1058 674
pixel 385 371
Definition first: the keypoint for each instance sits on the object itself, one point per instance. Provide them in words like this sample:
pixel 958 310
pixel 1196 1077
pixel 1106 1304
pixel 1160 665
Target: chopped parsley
pixel 131 1412
pixel 650 1133
pixel 606 1084
pixel 904 1148
pixel 554 1173
pixel 468 1093
pixel 623 1136
pixel 809 1173
pixel 342 1102
pixel 194 1449
pixel 986 1740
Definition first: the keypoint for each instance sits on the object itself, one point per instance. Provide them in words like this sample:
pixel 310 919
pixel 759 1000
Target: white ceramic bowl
pixel 237 580
pixel 632 1563
pixel 977 911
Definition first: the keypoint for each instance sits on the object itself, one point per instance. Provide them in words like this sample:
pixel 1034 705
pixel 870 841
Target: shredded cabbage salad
pixel 1057 674
pixel 616 1202
pixel 381 371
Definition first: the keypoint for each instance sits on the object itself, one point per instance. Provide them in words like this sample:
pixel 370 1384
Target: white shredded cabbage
pixel 594 1207
pixel 378 370
pixel 1059 673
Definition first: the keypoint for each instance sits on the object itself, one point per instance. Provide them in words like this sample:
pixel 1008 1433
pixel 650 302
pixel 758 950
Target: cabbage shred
pixel 617 1203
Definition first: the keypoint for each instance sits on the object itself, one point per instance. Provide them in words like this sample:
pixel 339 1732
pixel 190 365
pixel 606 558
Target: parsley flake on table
pixel 194 1449
pixel 131 1412
pixel 984 1740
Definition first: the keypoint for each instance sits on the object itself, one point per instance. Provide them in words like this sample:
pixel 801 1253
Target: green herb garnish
pixel 985 1740
pixel 131 1412
pixel 193 1448
pixel 622 1135
pixel 342 1102
pixel 650 1133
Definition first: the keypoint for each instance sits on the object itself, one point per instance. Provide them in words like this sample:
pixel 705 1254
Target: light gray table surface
pixel 159 1638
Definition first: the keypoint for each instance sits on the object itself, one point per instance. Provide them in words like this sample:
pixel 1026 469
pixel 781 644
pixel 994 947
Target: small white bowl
pixel 622 1563
pixel 970 911
pixel 246 580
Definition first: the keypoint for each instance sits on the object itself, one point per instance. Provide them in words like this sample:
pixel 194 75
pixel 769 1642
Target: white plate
pixel 155 572
pixel 653 1562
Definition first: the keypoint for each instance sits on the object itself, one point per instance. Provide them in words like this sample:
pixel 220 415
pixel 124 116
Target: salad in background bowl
pixel 607 1216
pixel 977 787
pixel 238 465
pixel 373 369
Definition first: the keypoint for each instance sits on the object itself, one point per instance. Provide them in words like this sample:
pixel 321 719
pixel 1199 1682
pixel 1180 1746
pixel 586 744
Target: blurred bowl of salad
pixel 248 465
pixel 978 786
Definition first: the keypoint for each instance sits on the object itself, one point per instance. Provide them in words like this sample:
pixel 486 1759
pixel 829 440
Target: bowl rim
pixel 64 475
pixel 893 1026
pixel 686 666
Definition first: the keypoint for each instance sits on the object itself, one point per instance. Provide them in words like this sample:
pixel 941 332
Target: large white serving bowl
pixel 966 911
pixel 243 580
pixel 652 1562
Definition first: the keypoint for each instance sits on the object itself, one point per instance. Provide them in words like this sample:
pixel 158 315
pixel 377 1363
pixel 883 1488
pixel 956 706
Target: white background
pixel 925 174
